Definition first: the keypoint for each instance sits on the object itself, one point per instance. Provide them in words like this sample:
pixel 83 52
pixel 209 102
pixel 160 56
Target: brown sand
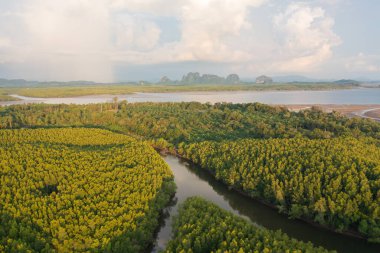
pixel 365 111
pixel 373 114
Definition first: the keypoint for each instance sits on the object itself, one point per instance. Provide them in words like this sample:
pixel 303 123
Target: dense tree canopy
pixel 191 122
pixel 77 190
pixel 334 182
pixel 204 227
pixel 313 165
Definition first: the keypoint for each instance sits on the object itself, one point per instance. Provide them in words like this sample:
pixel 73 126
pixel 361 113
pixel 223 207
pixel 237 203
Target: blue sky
pixel 120 40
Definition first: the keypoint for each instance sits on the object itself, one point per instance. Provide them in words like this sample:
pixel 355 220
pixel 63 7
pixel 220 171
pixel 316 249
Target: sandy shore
pixel 364 111
pixel 375 113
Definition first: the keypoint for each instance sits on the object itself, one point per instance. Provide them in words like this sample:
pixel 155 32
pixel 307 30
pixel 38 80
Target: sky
pixel 130 40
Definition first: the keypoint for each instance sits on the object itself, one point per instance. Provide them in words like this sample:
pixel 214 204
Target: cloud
pixel 61 40
pixel 209 31
pixel 209 26
pixel 84 39
pixel 4 42
pixel 306 37
pixel 5 45
pixel 135 34
pixel 330 2
pixel 363 63
pixel 152 7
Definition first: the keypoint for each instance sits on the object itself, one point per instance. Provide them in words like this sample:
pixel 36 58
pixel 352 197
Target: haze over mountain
pixel 298 78
pixel 196 78
pixel 118 40
pixel 189 79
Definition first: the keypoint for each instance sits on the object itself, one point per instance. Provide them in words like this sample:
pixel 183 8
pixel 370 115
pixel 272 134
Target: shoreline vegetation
pixel 6 98
pixel 362 111
pixel 220 152
pixel 347 232
pixel 117 89
pixel 202 226
pixel 174 152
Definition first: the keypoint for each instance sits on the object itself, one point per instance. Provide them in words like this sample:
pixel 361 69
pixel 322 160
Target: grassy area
pixel 4 97
pixel 72 91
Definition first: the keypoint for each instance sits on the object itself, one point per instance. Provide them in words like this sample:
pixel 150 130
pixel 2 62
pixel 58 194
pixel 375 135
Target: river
pixel 360 96
pixel 192 181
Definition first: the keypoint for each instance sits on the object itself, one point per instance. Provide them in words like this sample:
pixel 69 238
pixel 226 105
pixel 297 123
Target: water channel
pixel 360 96
pixel 193 181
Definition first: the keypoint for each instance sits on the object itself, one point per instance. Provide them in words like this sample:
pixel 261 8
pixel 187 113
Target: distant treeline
pixel 192 122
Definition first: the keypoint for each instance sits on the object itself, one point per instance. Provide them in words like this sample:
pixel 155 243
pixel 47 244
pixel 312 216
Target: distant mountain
pixel 165 79
pixel 347 82
pixel 297 78
pixel 233 79
pixel 15 82
pixel 24 83
pixel 193 78
pixel 196 78
pixel 264 79
pixel 366 80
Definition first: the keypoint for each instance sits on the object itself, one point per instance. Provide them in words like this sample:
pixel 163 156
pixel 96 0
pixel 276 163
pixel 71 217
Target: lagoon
pixel 360 96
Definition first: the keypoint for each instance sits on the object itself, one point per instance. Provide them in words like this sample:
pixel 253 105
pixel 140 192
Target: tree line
pixel 191 122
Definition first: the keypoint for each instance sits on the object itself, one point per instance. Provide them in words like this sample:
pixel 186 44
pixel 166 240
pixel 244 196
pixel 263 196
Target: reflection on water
pixel 352 96
pixel 192 181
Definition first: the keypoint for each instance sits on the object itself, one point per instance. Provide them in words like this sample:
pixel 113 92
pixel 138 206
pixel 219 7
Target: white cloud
pixel 153 7
pixel 4 42
pixel 208 31
pixel 331 2
pixel 135 34
pixel 363 63
pixel 62 40
pixel 306 37
pixel 84 39
pixel 209 26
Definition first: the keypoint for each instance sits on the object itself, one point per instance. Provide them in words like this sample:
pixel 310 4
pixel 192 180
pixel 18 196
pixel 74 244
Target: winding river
pixel 192 181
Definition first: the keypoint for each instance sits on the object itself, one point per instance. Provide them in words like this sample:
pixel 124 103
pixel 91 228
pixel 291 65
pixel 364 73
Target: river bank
pixel 343 97
pixel 373 114
pixel 62 91
pixel 364 111
pixel 350 233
